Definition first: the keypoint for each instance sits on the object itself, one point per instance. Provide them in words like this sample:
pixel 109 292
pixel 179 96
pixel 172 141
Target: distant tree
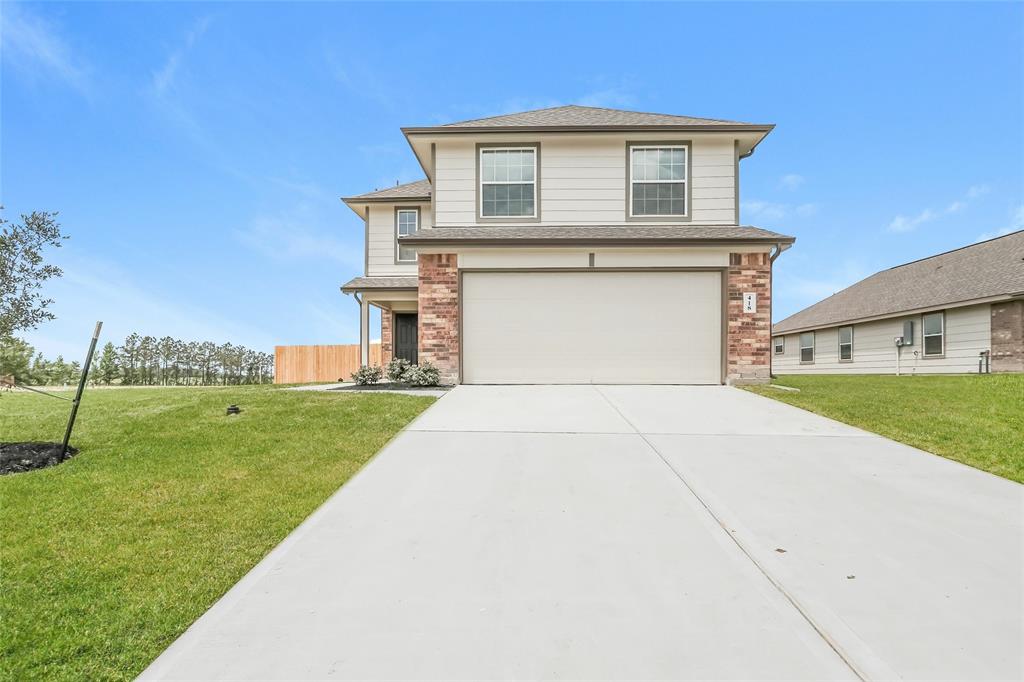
pixel 58 373
pixel 16 360
pixel 23 270
pixel 107 369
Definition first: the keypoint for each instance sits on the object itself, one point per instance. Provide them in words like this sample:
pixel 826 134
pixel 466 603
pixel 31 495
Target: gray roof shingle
pixel 359 283
pixel 985 270
pixel 575 116
pixel 410 190
pixel 671 234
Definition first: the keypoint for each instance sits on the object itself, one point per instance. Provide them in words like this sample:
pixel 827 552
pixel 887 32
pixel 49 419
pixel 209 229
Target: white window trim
pixel 814 339
pixel 398 247
pixel 685 182
pixel 779 345
pixel 941 335
pixel 483 182
pixel 839 334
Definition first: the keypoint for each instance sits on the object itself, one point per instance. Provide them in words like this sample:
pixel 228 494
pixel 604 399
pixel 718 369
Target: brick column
pixel 386 347
pixel 749 336
pixel 439 313
pixel 1008 336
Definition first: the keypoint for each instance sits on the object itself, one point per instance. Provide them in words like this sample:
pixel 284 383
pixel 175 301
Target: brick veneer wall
pixel 439 313
pixel 1008 336
pixel 386 345
pixel 749 335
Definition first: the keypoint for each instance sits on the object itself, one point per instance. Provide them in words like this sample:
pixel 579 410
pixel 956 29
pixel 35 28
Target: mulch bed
pixel 18 457
pixel 389 386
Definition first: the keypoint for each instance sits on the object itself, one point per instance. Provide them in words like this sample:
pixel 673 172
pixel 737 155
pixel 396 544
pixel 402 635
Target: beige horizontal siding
pixel 968 332
pixel 583 180
pixel 381 244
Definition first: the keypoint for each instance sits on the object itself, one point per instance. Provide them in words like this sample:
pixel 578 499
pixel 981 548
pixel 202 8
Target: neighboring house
pixel 572 245
pixel 948 310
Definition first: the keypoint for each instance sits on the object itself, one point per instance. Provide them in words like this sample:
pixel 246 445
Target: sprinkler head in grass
pixel 234 409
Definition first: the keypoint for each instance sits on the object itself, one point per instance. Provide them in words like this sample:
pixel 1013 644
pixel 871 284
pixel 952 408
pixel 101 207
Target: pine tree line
pixel 144 361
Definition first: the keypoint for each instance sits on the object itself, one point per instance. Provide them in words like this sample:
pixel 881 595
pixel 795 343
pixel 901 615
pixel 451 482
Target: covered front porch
pixel 397 300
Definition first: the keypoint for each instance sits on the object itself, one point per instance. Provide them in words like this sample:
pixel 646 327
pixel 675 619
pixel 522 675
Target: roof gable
pixel 420 189
pixel 985 270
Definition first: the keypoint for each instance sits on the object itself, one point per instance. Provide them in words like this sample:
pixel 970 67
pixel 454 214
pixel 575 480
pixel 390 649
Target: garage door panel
pixel 591 327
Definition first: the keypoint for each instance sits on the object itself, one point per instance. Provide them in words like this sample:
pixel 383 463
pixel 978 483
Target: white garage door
pixel 592 327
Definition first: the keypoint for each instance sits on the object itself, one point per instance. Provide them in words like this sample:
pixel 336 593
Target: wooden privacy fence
pixel 305 364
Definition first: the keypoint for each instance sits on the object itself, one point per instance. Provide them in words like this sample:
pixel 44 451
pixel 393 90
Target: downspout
pixel 771 301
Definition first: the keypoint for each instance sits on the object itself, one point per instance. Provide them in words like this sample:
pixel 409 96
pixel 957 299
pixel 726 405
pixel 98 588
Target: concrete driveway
pixel 632 532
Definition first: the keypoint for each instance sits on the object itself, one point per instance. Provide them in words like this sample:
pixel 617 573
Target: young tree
pixel 107 369
pixel 23 270
pixel 16 360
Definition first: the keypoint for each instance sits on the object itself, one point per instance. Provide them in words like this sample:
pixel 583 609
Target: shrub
pixel 397 369
pixel 422 375
pixel 367 375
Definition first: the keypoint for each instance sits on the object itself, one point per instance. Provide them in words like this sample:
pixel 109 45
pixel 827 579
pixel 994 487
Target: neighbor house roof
pixel 410 190
pixel 991 269
pixel 574 117
pixel 549 236
pixel 364 283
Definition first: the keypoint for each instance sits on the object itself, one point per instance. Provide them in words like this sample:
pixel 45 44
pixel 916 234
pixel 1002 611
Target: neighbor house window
pixel 657 180
pixel 807 347
pixel 407 221
pixel 508 182
pixel 780 345
pixel 846 343
pixel 933 331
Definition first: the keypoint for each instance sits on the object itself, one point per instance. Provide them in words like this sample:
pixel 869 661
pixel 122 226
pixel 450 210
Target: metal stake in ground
pixel 78 393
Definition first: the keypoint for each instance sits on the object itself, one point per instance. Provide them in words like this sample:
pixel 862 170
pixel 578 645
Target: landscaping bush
pixel 367 375
pixel 422 375
pixel 397 368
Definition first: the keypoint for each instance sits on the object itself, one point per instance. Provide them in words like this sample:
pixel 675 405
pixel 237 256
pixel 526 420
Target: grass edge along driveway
pixel 974 419
pixel 110 556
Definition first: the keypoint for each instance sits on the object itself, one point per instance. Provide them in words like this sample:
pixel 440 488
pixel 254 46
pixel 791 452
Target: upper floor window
pixel 657 180
pixel 846 343
pixel 407 221
pixel 780 345
pixel 807 347
pixel 933 331
pixel 508 182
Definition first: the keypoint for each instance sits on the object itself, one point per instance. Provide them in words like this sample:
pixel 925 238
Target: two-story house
pixel 572 245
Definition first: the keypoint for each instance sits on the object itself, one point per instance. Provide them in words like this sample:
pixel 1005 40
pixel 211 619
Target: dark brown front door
pixel 405 337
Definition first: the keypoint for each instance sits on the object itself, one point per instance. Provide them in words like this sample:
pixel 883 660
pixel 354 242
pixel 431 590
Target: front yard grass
pixel 108 557
pixel 974 419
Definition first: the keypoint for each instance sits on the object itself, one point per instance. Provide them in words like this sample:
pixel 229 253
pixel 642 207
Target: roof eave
pixel 900 313
pixel 591 241
pixel 702 128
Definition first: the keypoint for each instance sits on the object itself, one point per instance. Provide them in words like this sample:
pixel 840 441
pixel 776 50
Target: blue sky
pixel 196 152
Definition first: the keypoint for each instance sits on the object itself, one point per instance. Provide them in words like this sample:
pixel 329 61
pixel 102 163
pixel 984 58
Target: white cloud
pixel 164 77
pixel 93 290
pixel 33 46
pixel 902 223
pixel 292 237
pixel 768 210
pixel 976 191
pixel 1016 224
pixel 791 181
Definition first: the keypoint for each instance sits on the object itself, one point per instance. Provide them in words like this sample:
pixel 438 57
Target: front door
pixel 405 337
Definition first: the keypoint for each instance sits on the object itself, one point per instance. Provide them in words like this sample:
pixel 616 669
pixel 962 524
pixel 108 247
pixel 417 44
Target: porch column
pixel 364 332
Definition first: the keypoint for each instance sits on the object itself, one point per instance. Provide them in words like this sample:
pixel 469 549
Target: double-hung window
pixel 780 345
pixel 657 181
pixel 933 331
pixel 508 182
pixel 407 221
pixel 846 343
pixel 807 347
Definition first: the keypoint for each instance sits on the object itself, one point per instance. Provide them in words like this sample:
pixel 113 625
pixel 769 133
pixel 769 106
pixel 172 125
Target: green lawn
pixel 106 558
pixel 977 420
